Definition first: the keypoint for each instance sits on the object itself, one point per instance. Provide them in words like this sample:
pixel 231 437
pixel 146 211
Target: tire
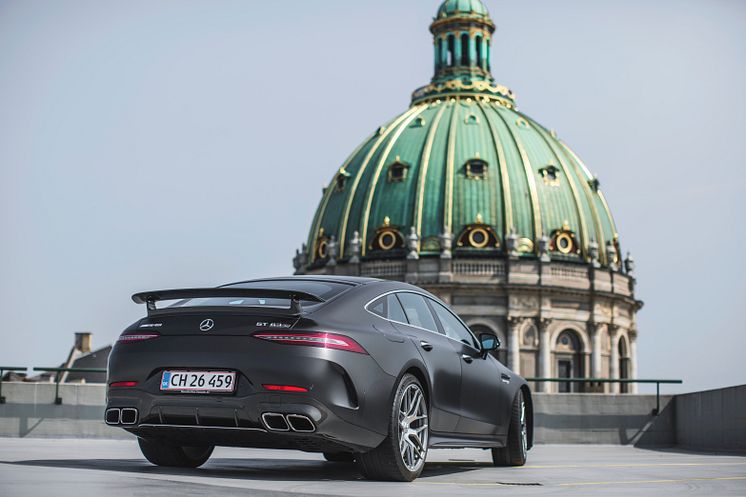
pixel 401 456
pixel 164 454
pixel 515 451
pixel 339 457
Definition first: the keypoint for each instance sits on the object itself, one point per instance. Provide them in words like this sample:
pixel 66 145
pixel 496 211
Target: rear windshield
pixel 322 289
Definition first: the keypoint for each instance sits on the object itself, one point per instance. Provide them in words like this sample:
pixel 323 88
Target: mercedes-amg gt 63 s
pixel 360 369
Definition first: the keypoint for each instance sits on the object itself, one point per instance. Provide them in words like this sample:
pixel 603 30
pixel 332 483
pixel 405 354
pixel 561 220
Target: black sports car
pixel 360 369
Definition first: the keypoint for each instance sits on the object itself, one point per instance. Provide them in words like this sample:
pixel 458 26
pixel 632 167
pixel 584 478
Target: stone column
pixel 596 330
pixel 545 355
pixel 633 360
pixel 514 345
pixel 614 358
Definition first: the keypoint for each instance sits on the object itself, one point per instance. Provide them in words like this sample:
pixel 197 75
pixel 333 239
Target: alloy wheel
pixel 524 430
pixel 413 427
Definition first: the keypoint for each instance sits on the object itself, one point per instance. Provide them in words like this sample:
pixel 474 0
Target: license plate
pixel 199 381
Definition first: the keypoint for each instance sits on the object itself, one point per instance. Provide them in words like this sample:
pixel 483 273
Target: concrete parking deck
pixel 114 468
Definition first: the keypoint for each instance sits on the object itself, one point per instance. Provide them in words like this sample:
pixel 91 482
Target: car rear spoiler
pixel 150 298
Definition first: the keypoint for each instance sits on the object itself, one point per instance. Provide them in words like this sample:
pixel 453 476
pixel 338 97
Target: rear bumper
pixel 348 399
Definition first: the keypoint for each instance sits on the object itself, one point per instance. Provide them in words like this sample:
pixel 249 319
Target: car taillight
pixel 123 384
pixel 137 336
pixel 284 388
pixel 314 339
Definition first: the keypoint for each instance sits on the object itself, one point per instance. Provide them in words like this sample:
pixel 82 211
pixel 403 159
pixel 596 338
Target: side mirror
pixel 489 342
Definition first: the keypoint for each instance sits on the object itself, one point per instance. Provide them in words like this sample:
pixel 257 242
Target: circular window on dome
pixel 321 251
pixel 387 240
pixel 563 242
pixel 479 238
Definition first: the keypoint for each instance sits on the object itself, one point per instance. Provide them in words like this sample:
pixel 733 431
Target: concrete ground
pixel 114 468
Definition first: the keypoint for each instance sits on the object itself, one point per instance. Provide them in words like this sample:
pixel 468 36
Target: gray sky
pixel 185 143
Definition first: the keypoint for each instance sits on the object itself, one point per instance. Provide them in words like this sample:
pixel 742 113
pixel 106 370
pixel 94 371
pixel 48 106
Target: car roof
pixel 351 280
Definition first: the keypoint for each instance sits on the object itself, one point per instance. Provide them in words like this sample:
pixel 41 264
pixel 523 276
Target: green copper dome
pixel 463 163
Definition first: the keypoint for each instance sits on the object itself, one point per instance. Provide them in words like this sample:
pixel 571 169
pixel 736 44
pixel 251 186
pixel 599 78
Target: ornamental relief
pixel 602 310
pixel 523 302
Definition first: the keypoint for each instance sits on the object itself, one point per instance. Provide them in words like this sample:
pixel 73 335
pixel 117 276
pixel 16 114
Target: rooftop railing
pixel 58 378
pixel 657 382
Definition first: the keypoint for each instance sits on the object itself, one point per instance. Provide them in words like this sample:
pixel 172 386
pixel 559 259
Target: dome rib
pixel 377 173
pixel 504 178
pixel 450 158
pixel 528 170
pixel 422 170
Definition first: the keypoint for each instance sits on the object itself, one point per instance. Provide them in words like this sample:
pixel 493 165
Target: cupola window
pixel 471 119
pixel 594 184
pixel 550 175
pixel 419 122
pixel 476 169
pixel 398 171
pixel 341 180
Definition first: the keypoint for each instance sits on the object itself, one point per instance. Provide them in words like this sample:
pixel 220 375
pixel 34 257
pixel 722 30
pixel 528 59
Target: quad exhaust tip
pixel 117 416
pixel 300 423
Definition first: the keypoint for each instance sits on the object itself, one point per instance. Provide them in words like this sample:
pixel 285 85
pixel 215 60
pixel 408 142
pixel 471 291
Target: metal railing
pixel 657 382
pixel 3 370
pixel 58 377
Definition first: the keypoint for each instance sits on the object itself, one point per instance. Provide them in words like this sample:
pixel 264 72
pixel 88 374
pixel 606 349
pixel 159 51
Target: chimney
pixel 83 341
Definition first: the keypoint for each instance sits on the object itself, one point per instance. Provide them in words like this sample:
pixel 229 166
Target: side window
pixel 452 326
pixel 378 307
pixel 417 311
pixel 388 307
pixel 396 311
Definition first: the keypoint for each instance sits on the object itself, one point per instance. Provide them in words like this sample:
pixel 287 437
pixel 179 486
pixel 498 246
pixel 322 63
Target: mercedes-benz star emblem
pixel 206 325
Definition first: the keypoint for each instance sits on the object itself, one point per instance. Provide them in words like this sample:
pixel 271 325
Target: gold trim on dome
pixel 459 86
pixel 450 159
pixel 530 176
pixel 504 178
pixel 525 245
pixel 353 189
pixel 376 174
pixel 424 165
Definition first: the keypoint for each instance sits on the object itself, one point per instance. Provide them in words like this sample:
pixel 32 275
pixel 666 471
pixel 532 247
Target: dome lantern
pixel 462 34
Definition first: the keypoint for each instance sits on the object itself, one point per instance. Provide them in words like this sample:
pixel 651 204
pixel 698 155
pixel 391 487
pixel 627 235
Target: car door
pixel 444 367
pixel 485 398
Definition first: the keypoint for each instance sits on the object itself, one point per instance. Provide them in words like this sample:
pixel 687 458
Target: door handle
pixel 426 345
pixel 467 358
pixel 505 378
